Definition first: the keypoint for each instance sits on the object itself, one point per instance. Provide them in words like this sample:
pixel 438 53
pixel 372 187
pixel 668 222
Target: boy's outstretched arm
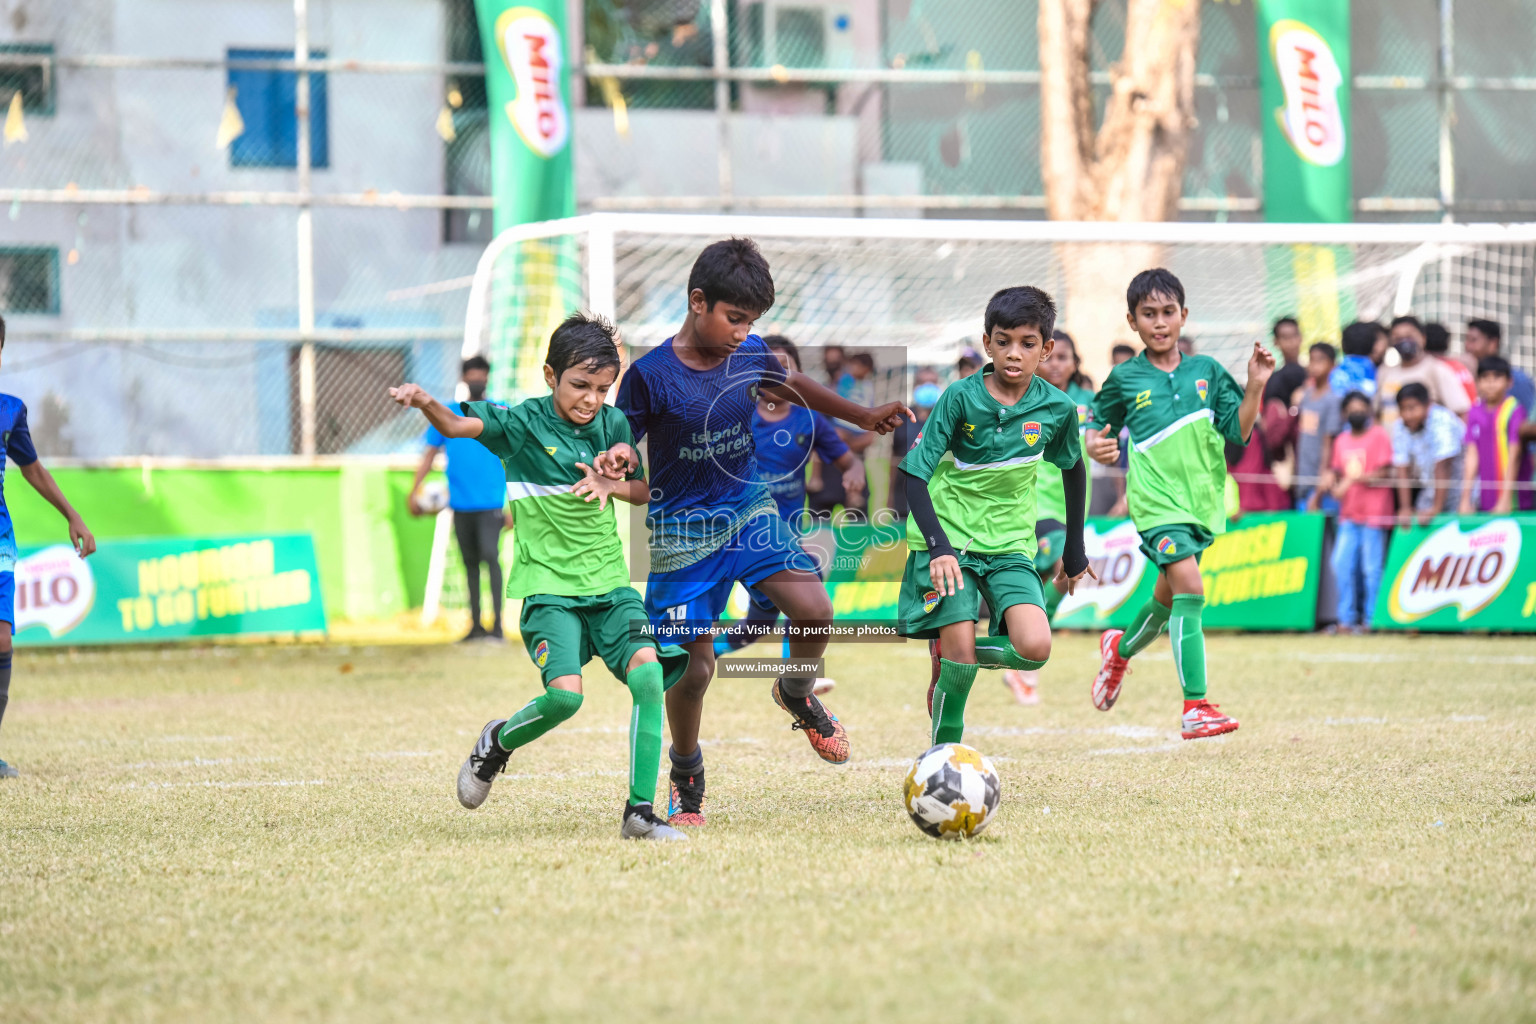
pixel 449 424
pixel 1260 366
pixel 1074 556
pixel 803 391
pixel 38 476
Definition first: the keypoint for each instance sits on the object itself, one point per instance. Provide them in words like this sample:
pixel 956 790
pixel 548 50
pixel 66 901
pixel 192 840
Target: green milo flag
pixel 1460 575
pixel 1304 82
pixel 528 88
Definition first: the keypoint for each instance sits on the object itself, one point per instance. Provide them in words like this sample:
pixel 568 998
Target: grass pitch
pixel 268 833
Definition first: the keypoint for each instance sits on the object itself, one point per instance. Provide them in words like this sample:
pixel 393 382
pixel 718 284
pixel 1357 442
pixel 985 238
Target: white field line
pixel 1362 658
pixel 198 762
pixel 210 784
pixel 405 753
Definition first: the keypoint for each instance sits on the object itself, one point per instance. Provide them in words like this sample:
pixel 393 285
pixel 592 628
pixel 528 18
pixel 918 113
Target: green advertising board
pixel 1262 574
pixel 1304 83
pixel 1459 575
pixel 162 589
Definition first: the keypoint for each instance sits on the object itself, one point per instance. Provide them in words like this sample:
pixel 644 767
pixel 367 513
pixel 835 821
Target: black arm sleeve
pixel 920 504
pixel 1074 486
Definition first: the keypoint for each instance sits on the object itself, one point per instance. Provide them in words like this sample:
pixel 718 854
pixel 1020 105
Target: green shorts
pixel 1164 545
pixel 1003 579
pixel 1050 541
pixel 562 634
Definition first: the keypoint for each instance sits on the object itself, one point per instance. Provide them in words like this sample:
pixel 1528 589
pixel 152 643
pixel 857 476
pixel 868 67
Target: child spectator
pixel 1362 466
pixel 1357 370
pixel 1318 422
pixel 1437 342
pixel 1426 449
pixel 1495 457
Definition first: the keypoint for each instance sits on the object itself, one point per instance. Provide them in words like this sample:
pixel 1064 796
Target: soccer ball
pixel 952 791
pixel 433 497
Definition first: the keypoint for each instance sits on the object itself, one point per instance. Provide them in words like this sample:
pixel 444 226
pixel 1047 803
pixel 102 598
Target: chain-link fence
pixel 194 263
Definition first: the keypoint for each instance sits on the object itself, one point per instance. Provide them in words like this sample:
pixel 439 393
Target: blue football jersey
pixel 17 438
pixel 784 450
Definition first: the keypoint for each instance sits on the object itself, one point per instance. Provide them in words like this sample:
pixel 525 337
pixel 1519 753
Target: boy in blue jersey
pixel 786 434
pixel 712 520
pixel 477 494
pixel 17 439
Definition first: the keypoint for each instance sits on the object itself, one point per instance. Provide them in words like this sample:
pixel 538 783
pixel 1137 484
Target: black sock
pixel 689 764
pixel 798 687
pixel 5 682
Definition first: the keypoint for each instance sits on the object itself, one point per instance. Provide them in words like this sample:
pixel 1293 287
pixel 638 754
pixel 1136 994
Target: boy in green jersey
pixel 567 563
pixel 1063 369
pixel 970 482
pixel 1181 411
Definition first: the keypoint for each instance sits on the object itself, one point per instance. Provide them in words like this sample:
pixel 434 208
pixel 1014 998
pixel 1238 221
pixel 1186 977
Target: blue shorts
pixel 8 598
pixel 684 603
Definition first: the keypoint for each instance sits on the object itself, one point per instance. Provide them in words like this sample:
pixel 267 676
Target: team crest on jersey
pixel 541 653
pixel 1032 433
pixel 1167 547
pixel 1202 386
pixel 930 601
pixel 1045 548
pixel 1084 414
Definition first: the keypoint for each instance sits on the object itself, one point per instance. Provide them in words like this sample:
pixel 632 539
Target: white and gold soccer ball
pixel 433 497
pixel 952 791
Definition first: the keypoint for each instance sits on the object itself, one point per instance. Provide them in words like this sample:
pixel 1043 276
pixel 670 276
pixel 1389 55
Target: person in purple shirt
pixel 1496 461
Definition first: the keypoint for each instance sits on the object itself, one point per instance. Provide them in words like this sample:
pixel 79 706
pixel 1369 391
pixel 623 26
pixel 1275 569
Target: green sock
pixel 537 717
pixel 1052 600
pixel 644 731
pixel 1188 644
pixel 998 652
pixel 1145 627
pixel 954 686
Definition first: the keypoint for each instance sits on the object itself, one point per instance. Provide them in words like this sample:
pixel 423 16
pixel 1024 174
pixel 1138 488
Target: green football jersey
pixel 1050 497
pixel 561 544
pixel 1178 424
pixel 980 458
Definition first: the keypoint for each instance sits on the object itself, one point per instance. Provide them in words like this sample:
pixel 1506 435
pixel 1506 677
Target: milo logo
pixel 1312 118
pixel 1467 570
pixel 533 51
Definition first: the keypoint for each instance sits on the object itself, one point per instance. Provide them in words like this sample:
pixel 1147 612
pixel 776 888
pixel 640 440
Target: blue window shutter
pixel 266 103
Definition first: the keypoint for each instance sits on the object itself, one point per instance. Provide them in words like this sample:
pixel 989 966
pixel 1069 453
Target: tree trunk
pixel 1132 167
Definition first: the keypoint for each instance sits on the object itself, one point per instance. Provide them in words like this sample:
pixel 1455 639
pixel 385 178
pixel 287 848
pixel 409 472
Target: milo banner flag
pixel 528 88
pixel 1304 83
pixel 1473 573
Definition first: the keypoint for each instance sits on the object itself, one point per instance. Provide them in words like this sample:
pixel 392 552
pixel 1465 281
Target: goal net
pixel 915 289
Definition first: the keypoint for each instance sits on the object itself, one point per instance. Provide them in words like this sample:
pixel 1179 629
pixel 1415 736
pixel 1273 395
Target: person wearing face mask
pixel 477 494
pixel 1361 480
pixel 1417 366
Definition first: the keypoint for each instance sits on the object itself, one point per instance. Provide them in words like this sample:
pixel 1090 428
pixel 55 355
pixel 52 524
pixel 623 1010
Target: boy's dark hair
pixel 1326 349
pixel 1490 328
pixel 1437 340
pixel 474 363
pixel 1275 330
pixel 779 343
pixel 1413 392
pixel 1022 306
pixel 1122 347
pixel 733 270
pixel 1360 337
pixel 1496 365
pixel 1353 396
pixel 2 332
pixel 863 359
pixel 585 340
pixel 967 359
pixel 1156 281
pixel 1410 320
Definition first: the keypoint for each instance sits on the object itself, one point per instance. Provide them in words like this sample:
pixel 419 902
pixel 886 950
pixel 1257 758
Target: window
pixel 27 68
pixel 265 100
pixel 29 280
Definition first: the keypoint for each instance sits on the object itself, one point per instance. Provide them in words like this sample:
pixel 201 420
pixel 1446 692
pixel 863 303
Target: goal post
pixel 920 285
